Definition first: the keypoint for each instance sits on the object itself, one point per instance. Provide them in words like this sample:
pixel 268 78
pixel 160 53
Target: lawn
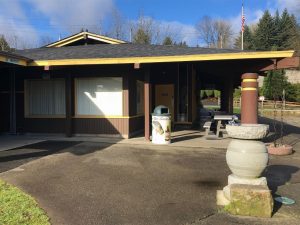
pixel 16 207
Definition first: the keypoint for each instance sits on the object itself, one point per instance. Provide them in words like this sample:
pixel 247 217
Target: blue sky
pixel 189 11
pixel 26 22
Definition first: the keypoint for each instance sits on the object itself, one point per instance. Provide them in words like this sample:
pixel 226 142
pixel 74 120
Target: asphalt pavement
pixel 100 183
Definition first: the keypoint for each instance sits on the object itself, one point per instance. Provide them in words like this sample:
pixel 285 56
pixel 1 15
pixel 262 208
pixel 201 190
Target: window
pixel 139 97
pixel 45 98
pixel 99 96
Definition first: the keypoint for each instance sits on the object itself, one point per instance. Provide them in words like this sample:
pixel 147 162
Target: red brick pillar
pixel 249 98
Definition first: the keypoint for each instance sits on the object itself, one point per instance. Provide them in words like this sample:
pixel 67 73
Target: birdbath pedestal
pixel 246 193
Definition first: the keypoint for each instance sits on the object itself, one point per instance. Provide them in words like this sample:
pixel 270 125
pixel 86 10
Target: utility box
pixel 161 125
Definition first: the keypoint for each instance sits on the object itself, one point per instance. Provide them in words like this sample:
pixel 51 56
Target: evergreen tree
pixel 4 46
pixel 272 33
pixel 294 34
pixel 181 43
pixel 274 84
pixel 141 37
pixel 287 30
pixel 277 31
pixel 167 41
pixel 264 38
pixel 248 39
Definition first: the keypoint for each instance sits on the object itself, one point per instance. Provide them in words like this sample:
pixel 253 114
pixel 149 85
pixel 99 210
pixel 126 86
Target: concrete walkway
pixel 102 183
pixel 184 138
pixel 15 141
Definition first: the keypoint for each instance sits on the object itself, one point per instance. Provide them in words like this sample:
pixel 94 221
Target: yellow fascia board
pixel 80 36
pixel 65 42
pixel 13 60
pixel 162 59
pixel 106 39
pixel 68 40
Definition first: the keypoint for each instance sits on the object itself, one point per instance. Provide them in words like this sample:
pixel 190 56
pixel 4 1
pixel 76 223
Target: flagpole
pixel 242 26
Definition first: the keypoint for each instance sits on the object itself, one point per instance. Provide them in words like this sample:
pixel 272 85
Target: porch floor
pixel 182 138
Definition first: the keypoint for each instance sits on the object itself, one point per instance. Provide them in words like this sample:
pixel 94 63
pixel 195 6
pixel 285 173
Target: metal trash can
pixel 161 125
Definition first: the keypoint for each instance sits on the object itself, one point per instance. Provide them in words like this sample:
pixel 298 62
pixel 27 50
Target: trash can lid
pixel 161 110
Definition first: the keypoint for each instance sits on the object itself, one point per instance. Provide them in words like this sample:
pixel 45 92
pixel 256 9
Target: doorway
pixel 164 95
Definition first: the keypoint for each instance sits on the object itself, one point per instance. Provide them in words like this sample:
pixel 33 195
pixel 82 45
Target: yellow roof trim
pixel 104 38
pixel 13 60
pixel 161 59
pixel 67 42
pixel 81 35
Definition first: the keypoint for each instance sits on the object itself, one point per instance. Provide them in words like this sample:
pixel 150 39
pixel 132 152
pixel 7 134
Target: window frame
pixel 27 114
pixel 93 116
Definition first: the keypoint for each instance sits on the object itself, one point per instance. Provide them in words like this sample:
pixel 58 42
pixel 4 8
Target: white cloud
pixel 63 15
pixel 70 16
pixel 15 26
pixel 180 32
pixel 73 16
pixel 293 6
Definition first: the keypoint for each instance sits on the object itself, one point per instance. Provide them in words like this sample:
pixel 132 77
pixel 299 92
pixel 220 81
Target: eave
pixel 166 59
pixel 10 58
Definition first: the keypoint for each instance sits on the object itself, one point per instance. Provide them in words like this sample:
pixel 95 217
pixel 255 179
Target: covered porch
pixel 135 78
pixel 178 85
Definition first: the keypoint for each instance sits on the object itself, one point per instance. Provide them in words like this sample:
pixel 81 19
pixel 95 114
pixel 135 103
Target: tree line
pixel 276 32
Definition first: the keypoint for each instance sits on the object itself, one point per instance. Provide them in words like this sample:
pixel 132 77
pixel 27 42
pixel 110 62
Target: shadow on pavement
pixel 185 138
pixel 287 129
pixel 278 175
pixel 16 157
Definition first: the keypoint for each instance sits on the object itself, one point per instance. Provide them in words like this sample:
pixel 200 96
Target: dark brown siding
pixel 4 111
pixel 136 124
pixel 44 125
pixel 108 126
pixel 4 100
pixel 100 126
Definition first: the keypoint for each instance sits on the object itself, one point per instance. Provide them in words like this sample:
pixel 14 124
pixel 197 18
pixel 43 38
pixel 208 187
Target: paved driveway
pixel 95 183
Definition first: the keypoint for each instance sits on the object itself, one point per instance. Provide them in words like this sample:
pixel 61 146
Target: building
pixel 89 84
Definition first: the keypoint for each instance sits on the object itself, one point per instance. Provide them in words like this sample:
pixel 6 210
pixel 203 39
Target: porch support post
pixel 126 105
pixel 12 101
pixel 147 104
pixel 227 96
pixel 249 94
pixel 68 87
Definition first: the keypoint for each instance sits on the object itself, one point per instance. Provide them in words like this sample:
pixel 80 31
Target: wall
pixel 124 126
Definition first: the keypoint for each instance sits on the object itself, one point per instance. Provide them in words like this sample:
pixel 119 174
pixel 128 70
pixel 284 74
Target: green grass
pixel 236 110
pixel 17 208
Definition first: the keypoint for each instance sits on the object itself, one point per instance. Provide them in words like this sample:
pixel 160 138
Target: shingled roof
pixel 12 58
pixel 116 51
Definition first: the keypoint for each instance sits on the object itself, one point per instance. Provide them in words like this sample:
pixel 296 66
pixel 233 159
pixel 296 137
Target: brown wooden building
pixel 90 84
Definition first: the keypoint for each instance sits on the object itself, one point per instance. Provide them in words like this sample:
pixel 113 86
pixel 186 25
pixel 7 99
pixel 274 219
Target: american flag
pixel 243 19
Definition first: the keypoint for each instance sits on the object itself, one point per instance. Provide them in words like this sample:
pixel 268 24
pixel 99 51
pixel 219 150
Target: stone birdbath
pixel 247 193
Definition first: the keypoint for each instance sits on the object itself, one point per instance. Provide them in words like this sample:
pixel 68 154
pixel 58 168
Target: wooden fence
pixel 269 104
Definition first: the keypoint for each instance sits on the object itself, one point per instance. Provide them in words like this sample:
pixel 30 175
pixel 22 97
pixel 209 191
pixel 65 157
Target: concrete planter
pixel 246 159
pixel 280 150
pixel 248 131
pixel 246 156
